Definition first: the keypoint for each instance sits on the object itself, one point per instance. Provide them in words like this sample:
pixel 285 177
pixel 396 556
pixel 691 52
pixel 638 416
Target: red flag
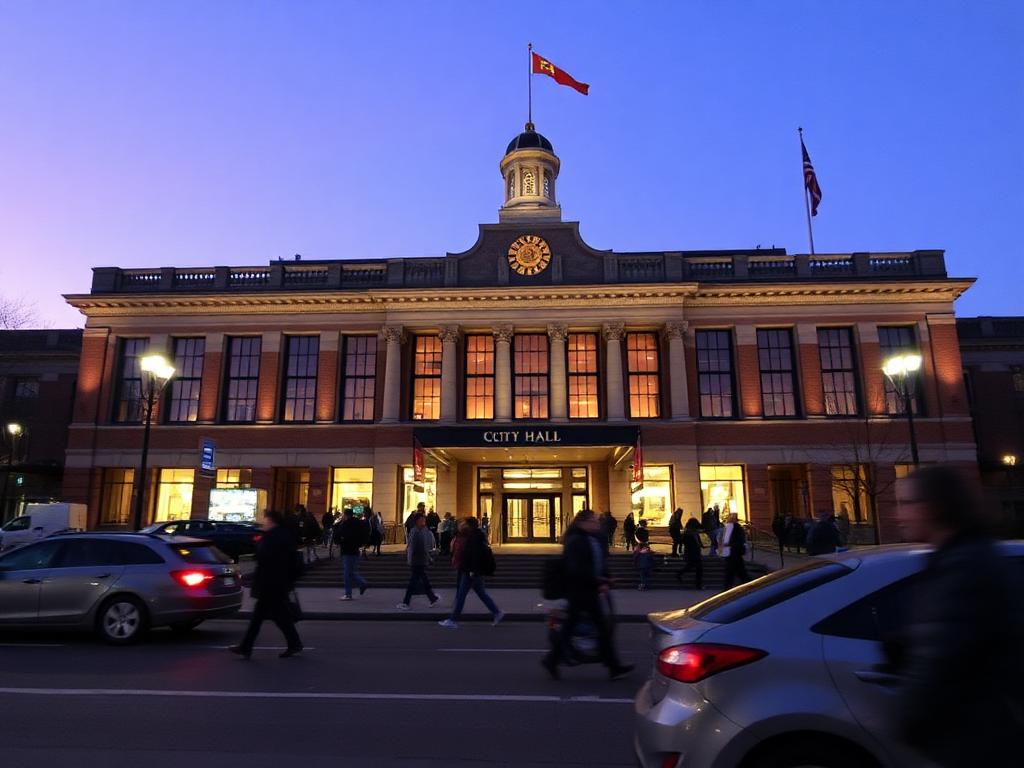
pixel 638 463
pixel 542 66
pixel 417 461
pixel 811 180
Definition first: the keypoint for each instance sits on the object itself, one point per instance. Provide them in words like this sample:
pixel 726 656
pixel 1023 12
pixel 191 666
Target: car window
pixel 30 558
pixel 755 596
pixel 18 524
pixel 874 617
pixel 173 528
pixel 201 553
pixel 81 553
pixel 200 526
pixel 133 553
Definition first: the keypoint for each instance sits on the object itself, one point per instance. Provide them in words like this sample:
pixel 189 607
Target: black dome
pixel 529 139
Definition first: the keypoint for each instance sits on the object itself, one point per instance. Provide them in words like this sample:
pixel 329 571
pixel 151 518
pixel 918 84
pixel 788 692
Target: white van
pixel 41 520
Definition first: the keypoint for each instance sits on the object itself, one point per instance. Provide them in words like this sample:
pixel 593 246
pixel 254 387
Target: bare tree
pixel 17 313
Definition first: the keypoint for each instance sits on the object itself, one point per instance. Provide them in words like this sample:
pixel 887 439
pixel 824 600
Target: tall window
pixel 300 378
pixel 243 378
pixel 174 494
pixel 715 374
pixel 479 377
pixel 894 340
pixel 642 368
pixel 426 378
pixel 778 380
pixel 529 183
pixel 583 399
pixel 352 488
pixel 530 366
pixel 547 184
pixel 359 377
pixel 838 371
pixel 116 499
pixel 188 375
pixel 129 381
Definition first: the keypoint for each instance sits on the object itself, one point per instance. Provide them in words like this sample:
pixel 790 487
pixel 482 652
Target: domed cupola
pixel 529 169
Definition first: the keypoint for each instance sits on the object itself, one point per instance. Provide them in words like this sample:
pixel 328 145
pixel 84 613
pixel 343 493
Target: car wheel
pixel 810 752
pixel 185 626
pixel 121 620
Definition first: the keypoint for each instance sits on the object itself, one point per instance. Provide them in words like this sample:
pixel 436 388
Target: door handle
pixel 875 677
pixel 32 581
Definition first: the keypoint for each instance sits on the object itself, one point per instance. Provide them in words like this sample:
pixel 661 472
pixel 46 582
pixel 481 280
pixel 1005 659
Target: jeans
pixel 645 575
pixel 476 583
pixel 275 609
pixel 713 535
pixel 418 576
pixel 350 564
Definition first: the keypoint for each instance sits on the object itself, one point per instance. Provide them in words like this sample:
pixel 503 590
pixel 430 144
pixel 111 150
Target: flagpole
pixel 529 86
pixel 807 193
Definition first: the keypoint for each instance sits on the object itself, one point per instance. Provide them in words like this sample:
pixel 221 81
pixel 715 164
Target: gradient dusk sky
pixel 147 134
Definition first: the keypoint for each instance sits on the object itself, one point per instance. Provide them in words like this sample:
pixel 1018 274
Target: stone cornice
pixel 536 297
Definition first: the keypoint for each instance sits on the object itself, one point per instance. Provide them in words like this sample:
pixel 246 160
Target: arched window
pixel 529 183
pixel 547 185
pixel 511 185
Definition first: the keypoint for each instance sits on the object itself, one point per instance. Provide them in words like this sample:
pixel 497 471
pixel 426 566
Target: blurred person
pixel 823 538
pixel 417 554
pixel 448 529
pixel 354 534
pixel 692 559
pixel 643 561
pixel 376 523
pixel 710 521
pixel 961 698
pixel 277 566
pixel 473 563
pixel 675 531
pixel 629 531
pixel 611 525
pixel 327 526
pixel 433 521
pixel 642 533
pixel 734 547
pixel 485 526
pixel 310 532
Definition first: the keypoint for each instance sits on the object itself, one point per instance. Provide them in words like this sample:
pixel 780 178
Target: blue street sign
pixel 208 455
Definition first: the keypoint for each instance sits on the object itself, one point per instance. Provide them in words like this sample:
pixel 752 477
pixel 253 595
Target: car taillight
pixel 256 537
pixel 192 578
pixel 693 662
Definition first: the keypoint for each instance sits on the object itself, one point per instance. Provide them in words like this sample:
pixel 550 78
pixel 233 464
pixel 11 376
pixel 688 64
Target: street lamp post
pixel 901 370
pixel 14 431
pixel 1009 461
pixel 156 372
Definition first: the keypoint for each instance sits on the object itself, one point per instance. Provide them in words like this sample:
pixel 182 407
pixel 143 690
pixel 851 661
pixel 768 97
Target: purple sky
pixel 196 133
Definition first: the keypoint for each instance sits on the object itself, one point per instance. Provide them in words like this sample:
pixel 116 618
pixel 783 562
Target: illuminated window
pixel 721 486
pixel 358 378
pixel 838 371
pixel 413 493
pixel 426 378
pixel 243 373
pixel 778 380
pixel 128 408
pixel 715 374
pixel 903 470
pixel 480 377
pixel 583 372
pixel 188 375
pixel 653 502
pixel 174 494
pixel 530 368
pixel 529 183
pixel 352 488
pixel 291 489
pixel 234 478
pixel 642 367
pixel 116 498
pixel 891 341
pixel 850 493
pixel 300 378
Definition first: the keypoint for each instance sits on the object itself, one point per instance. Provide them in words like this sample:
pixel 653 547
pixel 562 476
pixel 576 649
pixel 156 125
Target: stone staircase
pixel 518 571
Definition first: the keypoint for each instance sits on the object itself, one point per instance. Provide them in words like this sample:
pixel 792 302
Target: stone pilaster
pixel 616 405
pixel 679 398
pixel 503 373
pixel 393 336
pixel 559 384
pixel 449 373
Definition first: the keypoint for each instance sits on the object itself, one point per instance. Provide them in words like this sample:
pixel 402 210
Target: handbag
pixel 294 606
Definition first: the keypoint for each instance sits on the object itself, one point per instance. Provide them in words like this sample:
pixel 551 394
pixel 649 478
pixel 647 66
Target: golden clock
pixel 529 255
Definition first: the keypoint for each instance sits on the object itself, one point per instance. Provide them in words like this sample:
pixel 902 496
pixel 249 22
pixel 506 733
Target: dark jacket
pixel 433 520
pixel 823 539
pixel 472 553
pixel 277 565
pixel 737 542
pixel 691 541
pixel 675 525
pixel 629 527
pixel 583 575
pixel 962 703
pixel 354 535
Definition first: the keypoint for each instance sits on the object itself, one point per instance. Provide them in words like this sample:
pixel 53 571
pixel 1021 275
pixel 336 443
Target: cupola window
pixel 511 185
pixel 547 185
pixel 529 183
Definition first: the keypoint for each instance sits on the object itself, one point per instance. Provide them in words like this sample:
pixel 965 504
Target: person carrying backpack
pixel 474 560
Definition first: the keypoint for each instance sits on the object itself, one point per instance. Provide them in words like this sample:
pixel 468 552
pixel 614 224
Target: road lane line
pixel 474 697
pixel 492 650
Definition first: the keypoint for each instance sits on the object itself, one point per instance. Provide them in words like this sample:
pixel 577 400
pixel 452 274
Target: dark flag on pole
pixel 638 463
pixel 417 462
pixel 811 180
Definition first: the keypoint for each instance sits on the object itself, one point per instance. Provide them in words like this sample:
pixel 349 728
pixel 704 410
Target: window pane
pixel 243 378
pixel 715 374
pixel 480 377
pixel 722 486
pixel 530 366
pixel 352 487
pixel 116 498
pixel 838 376
pixel 778 384
pixel 426 384
pixel 174 494
pixel 303 353
pixel 129 400
pixel 653 502
pixel 583 376
pixel 642 366
pixel 183 405
pixel 891 341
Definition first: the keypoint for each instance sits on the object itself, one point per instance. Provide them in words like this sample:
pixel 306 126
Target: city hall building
pixel 534 373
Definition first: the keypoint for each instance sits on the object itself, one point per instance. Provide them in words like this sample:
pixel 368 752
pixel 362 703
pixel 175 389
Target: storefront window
pixel 722 486
pixel 234 478
pixel 174 494
pixel 116 501
pixel 352 487
pixel 413 493
pixel 653 502
pixel 849 493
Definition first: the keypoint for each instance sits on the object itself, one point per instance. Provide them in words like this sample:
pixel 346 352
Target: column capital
pixel 450 334
pixel 558 332
pixel 503 333
pixel 393 334
pixel 613 331
pixel 675 329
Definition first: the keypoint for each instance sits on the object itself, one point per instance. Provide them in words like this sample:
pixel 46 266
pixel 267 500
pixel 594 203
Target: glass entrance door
pixel 530 517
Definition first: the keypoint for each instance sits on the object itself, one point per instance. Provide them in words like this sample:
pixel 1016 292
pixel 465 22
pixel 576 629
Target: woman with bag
pixel 473 560
pixel 277 568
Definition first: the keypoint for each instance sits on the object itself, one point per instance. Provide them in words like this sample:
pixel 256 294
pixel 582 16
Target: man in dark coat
pixel 734 547
pixel 354 534
pixel 433 521
pixel 824 536
pixel 586 584
pixel 277 566
pixel 962 694
pixel 692 553
pixel 675 530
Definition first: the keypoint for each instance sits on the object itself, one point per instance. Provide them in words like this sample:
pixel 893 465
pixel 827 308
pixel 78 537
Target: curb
pixel 534 618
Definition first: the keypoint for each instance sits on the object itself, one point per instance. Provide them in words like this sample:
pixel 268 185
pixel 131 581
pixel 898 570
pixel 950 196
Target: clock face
pixel 529 255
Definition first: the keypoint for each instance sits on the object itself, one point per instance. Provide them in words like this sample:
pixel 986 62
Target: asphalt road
pixel 368 694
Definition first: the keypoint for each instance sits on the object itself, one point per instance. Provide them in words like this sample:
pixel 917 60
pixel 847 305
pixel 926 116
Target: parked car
pixel 785 670
pixel 233 539
pixel 41 520
pixel 117 584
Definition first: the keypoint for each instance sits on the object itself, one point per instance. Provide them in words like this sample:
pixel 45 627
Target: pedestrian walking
pixel 734 547
pixel 824 536
pixel 446 530
pixel 354 535
pixel 675 531
pixel 433 522
pixel 485 526
pixel 643 561
pixel 692 559
pixel 310 533
pixel 327 526
pixel 474 562
pixel 612 525
pixel 711 524
pixel 586 585
pixel 629 532
pixel 376 523
pixel 410 521
pixel 960 702
pixel 277 568
pixel 417 552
